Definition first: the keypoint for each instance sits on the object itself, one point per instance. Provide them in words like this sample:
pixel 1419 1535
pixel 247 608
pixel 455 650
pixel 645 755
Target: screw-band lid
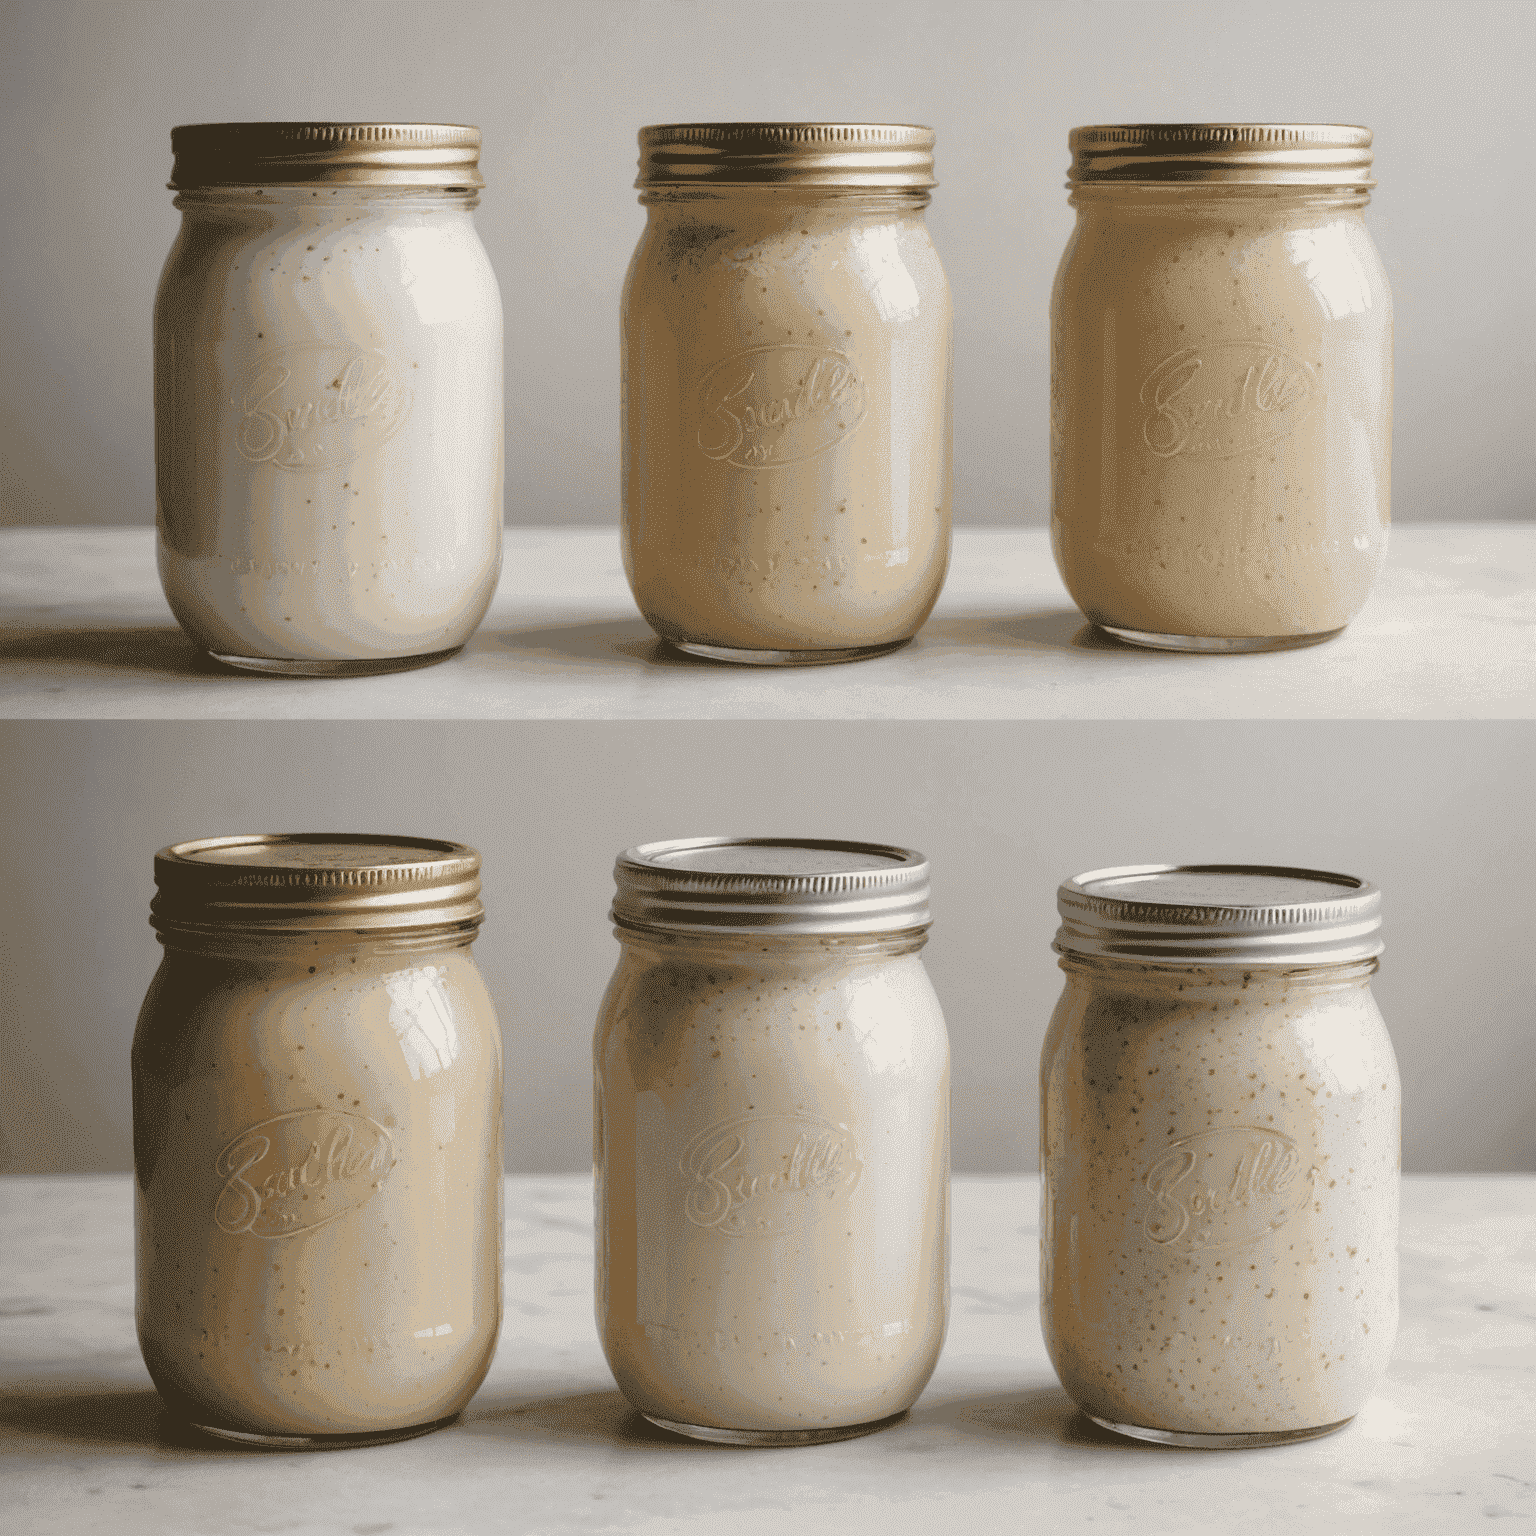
pixel 873 155
pixel 1219 914
pixel 301 882
pixel 771 885
pixel 1255 154
pixel 366 154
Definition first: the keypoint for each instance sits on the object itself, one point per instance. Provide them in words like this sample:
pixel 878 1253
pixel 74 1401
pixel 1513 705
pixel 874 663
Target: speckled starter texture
pixel 317 1137
pixel 1221 412
pixel 773 1163
pixel 1220 1196
pixel 787 421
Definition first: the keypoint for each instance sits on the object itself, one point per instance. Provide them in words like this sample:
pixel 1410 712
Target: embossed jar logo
pixel 298 1171
pixel 1222 1188
pixel 762 1175
pixel 778 405
pixel 318 407
pixel 1223 399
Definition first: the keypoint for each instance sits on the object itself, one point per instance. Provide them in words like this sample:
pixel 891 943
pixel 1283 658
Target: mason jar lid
pixel 1219 914
pixel 872 155
pixel 770 885
pixel 1251 154
pixel 302 882
pixel 360 154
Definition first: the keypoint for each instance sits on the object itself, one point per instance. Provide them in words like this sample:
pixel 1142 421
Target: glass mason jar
pixel 771 1140
pixel 1221 385
pixel 317 1139
pixel 786 381
pixel 1219 1130
pixel 328 396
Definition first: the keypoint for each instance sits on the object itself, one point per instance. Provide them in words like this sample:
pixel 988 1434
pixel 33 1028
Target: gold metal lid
pixel 1220 915
pixel 771 885
pixel 1237 154
pixel 874 155
pixel 359 154
pixel 315 882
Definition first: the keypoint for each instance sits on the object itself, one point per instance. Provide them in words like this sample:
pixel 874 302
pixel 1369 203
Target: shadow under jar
pixel 1221 385
pixel 786 380
pixel 328 396
pixel 317 1140
pixel 771 1140
pixel 1219 1153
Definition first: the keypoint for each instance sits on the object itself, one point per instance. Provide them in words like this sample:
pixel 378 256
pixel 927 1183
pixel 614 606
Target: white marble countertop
pixel 1449 633
pixel 548 1445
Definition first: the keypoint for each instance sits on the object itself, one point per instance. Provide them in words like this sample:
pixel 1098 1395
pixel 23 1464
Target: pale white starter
pixel 329 423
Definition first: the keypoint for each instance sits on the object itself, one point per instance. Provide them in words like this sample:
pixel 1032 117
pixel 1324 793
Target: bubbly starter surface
pixel 328 424
pixel 786 418
pixel 772 1200
pixel 1219 1223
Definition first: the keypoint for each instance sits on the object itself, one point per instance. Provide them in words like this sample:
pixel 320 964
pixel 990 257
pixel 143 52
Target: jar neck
pixel 1107 974
pixel 295 947
pixel 793 950
pixel 323 201
pixel 784 199
pixel 1212 200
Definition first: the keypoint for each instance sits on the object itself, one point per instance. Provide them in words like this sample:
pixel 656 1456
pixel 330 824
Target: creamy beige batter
pixel 318 1196
pixel 772 1153
pixel 328 423
pixel 786 416
pixel 1221 385
pixel 1219 1221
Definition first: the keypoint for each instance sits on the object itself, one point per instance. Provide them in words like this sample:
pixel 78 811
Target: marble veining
pixel 549 1446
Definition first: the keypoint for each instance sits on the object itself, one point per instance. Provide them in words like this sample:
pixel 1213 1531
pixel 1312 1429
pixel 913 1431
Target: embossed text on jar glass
pixel 1221 385
pixel 317 1139
pixel 786 379
pixel 1219 1132
pixel 771 1140
pixel 328 396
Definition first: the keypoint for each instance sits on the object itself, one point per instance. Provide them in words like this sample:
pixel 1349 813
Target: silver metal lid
pixel 770 885
pixel 1220 914
pixel 315 882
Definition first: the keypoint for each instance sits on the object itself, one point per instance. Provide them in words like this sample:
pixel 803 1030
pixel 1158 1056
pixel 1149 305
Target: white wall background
pixel 89 90
pixel 1441 816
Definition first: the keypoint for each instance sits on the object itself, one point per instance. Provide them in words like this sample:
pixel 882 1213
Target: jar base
pixel 816 658
pixel 1241 1442
pixel 1218 643
pixel 772 1437
pixel 284 666
pixel 320 1442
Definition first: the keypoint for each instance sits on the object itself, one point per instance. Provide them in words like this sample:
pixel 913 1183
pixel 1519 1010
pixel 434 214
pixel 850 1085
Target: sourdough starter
pixel 328 424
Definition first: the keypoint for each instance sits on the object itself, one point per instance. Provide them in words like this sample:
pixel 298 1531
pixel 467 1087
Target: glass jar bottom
pixel 1218 643
pixel 1219 1442
pixel 817 658
pixel 320 1442
pixel 771 1437
pixel 281 666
